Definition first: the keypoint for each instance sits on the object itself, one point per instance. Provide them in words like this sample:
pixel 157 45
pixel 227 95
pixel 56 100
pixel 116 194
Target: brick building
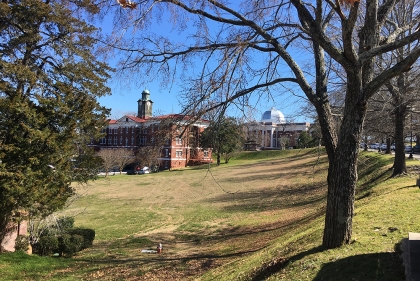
pixel 175 135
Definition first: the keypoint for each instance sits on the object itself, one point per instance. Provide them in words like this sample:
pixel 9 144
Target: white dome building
pixel 274 116
pixel 273 131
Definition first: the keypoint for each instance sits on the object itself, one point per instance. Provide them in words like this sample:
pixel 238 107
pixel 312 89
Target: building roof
pixel 142 120
pixel 273 116
pixel 135 118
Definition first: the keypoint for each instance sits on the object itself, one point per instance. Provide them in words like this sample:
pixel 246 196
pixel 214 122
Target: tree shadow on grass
pixel 278 264
pixel 373 267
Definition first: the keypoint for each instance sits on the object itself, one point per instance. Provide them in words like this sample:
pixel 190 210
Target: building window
pixel 178 140
pixel 206 153
pixel 110 141
pixel 132 130
pixel 121 140
pixel 166 152
pixel 126 141
pixel 143 140
pixel 179 153
pixel 132 140
pixel 126 130
pixel 115 140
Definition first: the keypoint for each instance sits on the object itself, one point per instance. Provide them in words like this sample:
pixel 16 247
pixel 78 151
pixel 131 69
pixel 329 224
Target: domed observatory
pixel 273 132
pixel 273 116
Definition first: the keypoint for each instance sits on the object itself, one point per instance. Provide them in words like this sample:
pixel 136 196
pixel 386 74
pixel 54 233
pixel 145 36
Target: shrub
pixel 64 245
pixel 77 240
pixel 22 243
pixel 87 234
pixel 47 245
pixel 70 244
pixel 65 222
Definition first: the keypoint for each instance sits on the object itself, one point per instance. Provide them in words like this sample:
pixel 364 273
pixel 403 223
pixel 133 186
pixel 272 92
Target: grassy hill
pixel 259 217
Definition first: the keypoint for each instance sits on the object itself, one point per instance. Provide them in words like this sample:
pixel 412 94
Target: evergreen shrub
pixel 87 234
pixel 70 244
pixel 47 245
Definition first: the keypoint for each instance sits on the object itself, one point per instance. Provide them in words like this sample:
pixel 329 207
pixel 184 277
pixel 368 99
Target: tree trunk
pixel 342 173
pixel 342 178
pixel 4 222
pixel 399 160
pixel 388 146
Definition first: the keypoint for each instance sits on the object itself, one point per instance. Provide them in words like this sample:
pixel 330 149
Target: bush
pixel 22 243
pixel 70 244
pixel 47 245
pixel 77 240
pixel 66 222
pixel 87 234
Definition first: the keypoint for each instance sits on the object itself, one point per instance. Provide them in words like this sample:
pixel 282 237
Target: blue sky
pixel 124 101
pixel 125 95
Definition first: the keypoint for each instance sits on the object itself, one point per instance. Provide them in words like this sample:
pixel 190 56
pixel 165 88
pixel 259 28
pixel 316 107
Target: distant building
pixel 180 148
pixel 273 132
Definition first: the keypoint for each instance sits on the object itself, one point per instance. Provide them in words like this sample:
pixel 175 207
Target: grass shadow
pixel 277 264
pixel 373 267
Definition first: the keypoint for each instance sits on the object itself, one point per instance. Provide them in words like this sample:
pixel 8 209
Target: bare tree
pixel 148 155
pixel 256 47
pixel 160 133
pixel 122 158
pixel 108 159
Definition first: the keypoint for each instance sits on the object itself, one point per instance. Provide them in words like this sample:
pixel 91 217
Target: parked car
pixel 382 147
pixel 144 170
pixel 408 148
pixel 416 149
pixel 393 147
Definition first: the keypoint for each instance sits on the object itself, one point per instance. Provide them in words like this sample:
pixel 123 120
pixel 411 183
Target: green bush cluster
pixel 68 243
pixel 47 245
pixel 64 239
pixel 87 234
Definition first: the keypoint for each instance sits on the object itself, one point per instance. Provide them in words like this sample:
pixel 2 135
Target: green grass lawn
pixel 259 217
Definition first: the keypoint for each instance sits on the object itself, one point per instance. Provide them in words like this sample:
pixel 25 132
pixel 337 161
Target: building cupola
pixel 145 105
